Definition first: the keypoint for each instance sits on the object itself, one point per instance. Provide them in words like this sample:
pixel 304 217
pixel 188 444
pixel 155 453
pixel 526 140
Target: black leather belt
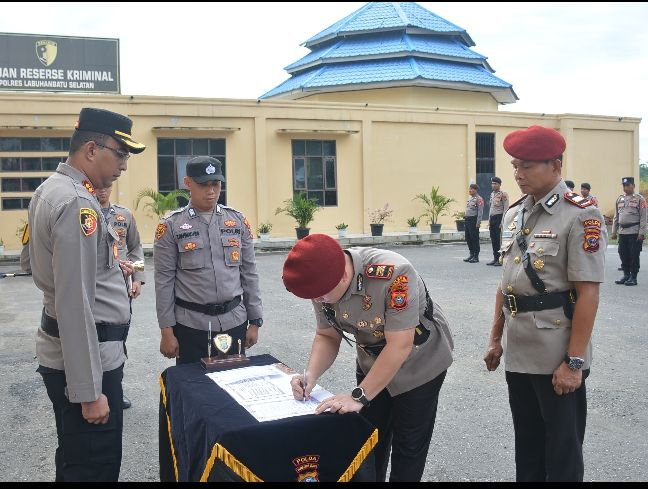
pixel 625 226
pixel 105 332
pixel 210 309
pixel 540 302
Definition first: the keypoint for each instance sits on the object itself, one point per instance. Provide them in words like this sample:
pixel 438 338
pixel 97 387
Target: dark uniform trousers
pixel 549 429
pixel 405 423
pixel 472 235
pixel 193 347
pixel 494 223
pixel 629 252
pixel 86 451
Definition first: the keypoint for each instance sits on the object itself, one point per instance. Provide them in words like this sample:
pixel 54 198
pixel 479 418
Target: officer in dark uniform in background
pixel 499 202
pixel 205 271
pixel 474 212
pixel 404 344
pixel 553 248
pixel 129 246
pixel 74 259
pixel 630 224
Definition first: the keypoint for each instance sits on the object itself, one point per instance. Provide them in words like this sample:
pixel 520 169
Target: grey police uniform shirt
pixel 630 209
pixel 499 203
pixel 129 245
pixel 566 244
pixel 206 263
pixel 387 294
pixel 75 263
pixel 475 207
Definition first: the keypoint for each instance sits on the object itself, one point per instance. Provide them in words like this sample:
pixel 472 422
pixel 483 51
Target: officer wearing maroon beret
pixel 376 299
pixel 553 257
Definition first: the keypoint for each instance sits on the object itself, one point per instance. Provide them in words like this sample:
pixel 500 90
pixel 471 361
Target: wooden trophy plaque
pixel 223 361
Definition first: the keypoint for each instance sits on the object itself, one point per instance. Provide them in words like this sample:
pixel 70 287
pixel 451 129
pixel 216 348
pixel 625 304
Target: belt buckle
pixel 512 303
pixel 212 309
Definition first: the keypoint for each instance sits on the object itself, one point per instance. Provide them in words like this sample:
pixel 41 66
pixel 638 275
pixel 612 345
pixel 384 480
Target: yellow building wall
pixel 385 153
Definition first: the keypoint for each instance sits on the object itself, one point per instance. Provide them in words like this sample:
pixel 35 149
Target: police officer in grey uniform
pixel 376 299
pixel 498 204
pixel 205 271
pixel 474 212
pixel 553 249
pixel 630 224
pixel 129 246
pixel 75 262
pixel 585 190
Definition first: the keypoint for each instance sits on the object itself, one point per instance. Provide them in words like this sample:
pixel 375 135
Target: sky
pixel 560 57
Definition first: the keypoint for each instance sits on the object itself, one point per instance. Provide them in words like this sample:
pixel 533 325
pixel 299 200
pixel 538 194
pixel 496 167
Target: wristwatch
pixel 358 394
pixel 256 322
pixel 574 363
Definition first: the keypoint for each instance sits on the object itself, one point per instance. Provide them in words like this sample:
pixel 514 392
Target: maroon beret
pixel 314 266
pixel 536 143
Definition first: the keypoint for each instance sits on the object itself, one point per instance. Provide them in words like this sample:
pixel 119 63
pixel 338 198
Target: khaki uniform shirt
pixel 475 207
pixel 499 203
pixel 74 261
pixel 566 244
pixel 206 263
pixel 391 298
pixel 630 209
pixel 129 246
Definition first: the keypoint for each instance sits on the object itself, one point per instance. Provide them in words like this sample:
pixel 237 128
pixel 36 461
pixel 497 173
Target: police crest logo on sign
pixel 46 52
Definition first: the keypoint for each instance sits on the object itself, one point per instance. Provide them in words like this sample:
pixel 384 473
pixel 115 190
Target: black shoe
pixel 474 259
pixel 632 280
pixel 468 259
pixel 494 262
pixel 125 402
pixel 623 279
pixel 498 264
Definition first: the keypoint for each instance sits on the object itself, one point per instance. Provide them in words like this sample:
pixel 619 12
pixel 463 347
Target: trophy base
pixel 215 364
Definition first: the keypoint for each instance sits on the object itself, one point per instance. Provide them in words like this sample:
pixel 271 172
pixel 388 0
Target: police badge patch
pixel 592 229
pixel 88 221
pixel 160 230
pixel 398 293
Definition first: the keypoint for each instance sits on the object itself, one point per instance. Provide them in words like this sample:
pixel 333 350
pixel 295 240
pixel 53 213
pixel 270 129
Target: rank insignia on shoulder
pixel 192 212
pixel 88 221
pixel 89 187
pixel 551 201
pixel 190 246
pixel 229 223
pixel 518 201
pixel 160 230
pixel 379 271
pixel 246 222
pixel 577 200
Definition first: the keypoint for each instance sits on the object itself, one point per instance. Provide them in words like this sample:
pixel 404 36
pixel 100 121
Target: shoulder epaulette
pixel 230 208
pixel 577 200
pixel 174 212
pixel 519 201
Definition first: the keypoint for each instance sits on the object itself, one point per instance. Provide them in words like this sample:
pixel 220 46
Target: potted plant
pixel 302 210
pixel 460 220
pixel 342 230
pixel 412 222
pixel 161 204
pixel 1 247
pixel 264 231
pixel 377 218
pixel 436 204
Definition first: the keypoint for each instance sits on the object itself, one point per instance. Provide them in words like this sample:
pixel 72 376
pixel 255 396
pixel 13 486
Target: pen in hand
pixel 304 384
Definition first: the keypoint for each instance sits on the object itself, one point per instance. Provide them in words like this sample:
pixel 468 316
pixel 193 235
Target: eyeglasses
pixel 122 155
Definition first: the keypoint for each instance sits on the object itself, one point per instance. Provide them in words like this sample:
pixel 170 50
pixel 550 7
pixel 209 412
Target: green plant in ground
pixel 264 228
pixel 161 204
pixel 380 215
pixel 301 209
pixel 459 216
pixel 341 226
pixel 436 204
pixel 21 229
pixel 413 221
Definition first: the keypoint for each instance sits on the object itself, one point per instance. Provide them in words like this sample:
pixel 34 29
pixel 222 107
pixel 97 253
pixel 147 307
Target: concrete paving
pixel 473 438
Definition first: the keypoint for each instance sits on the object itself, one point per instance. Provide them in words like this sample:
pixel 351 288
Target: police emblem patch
pixel 379 271
pixel 235 255
pixel 307 467
pixel 46 52
pixel 398 293
pixel 88 221
pixel 592 229
pixel 160 230
pixel 190 246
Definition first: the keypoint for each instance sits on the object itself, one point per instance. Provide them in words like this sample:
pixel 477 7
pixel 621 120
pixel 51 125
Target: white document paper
pixel 265 392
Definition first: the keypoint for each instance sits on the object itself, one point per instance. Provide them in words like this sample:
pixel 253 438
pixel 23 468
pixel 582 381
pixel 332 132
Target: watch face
pixel 357 393
pixel 576 363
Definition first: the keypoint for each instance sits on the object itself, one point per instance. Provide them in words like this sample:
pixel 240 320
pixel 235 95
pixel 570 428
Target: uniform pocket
pixel 232 250
pixel 552 319
pixel 191 253
pixel 544 248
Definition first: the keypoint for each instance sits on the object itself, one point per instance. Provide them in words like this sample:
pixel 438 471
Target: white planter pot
pixel 342 233
pixel 265 236
pixel 1 250
pixel 412 229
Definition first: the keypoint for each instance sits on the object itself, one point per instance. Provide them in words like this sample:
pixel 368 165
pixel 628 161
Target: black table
pixel 205 435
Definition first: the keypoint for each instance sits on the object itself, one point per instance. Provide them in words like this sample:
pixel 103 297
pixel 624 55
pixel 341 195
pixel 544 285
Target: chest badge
pixel 229 223
pixel 236 256
pixel 190 246
pixel 120 218
pixel 379 271
pixel 186 226
pixel 511 226
pixel 366 302
pixel 345 315
pixel 362 324
pixel 538 264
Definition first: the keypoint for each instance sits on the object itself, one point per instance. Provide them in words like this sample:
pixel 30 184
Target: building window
pixel 20 184
pixel 173 155
pixel 15 203
pixel 34 144
pixel 314 170
pixel 18 164
pixel 485 152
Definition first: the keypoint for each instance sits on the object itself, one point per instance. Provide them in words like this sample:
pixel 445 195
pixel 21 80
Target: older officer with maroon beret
pixel 404 344
pixel 74 257
pixel 553 249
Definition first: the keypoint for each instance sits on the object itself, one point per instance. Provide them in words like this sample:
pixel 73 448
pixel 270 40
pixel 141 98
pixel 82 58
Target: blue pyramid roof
pixel 391 44
pixel 389 16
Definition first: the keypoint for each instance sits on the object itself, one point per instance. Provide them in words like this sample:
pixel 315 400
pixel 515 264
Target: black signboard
pixel 58 63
